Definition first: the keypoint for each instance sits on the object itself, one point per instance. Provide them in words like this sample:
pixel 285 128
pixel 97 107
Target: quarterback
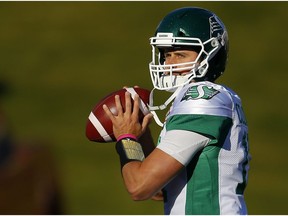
pixel 201 161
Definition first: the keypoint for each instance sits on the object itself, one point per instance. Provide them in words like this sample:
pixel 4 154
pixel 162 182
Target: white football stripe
pixel 143 106
pixel 96 123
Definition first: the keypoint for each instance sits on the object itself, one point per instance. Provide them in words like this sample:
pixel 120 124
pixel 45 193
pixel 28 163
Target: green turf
pixel 60 58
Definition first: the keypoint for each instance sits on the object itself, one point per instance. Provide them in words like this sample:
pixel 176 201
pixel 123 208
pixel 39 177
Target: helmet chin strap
pixel 153 108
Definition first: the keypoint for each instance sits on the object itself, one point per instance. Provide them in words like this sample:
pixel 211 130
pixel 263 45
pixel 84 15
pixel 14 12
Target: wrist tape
pixel 129 150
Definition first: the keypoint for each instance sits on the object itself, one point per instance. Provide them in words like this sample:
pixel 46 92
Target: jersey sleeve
pixel 214 127
pixel 209 117
pixel 182 145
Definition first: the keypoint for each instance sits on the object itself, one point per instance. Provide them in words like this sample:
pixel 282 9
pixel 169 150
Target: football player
pixel 201 160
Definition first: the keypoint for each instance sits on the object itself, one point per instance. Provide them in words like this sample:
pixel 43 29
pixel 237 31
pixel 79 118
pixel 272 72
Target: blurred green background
pixel 60 58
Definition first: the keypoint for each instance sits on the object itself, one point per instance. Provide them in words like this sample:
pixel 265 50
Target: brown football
pixel 99 127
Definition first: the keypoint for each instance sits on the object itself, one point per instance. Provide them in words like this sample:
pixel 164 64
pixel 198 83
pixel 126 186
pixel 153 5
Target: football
pixel 99 127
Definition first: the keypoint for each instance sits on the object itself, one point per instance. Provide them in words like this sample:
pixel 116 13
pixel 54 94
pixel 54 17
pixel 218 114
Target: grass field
pixel 60 58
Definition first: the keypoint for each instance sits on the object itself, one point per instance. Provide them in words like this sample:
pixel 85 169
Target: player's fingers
pixel 108 112
pixel 118 104
pixel 146 120
pixel 128 104
pixel 136 104
pixel 136 86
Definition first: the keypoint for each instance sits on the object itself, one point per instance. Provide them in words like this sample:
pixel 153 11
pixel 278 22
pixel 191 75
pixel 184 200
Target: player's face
pixel 178 57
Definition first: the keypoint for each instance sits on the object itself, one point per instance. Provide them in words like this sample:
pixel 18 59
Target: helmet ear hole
pixel 214 42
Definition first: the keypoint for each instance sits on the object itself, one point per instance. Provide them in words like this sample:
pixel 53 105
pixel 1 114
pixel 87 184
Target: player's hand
pixel 158 196
pixel 127 122
pixel 136 86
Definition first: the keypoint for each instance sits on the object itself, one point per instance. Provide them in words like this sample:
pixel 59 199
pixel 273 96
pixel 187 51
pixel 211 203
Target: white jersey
pixel 214 178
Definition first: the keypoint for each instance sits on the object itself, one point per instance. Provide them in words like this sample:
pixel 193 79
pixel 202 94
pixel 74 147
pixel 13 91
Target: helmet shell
pixel 187 22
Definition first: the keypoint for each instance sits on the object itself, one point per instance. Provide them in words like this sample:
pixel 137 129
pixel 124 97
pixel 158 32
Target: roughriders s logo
pixel 215 26
pixel 199 92
pixel 216 30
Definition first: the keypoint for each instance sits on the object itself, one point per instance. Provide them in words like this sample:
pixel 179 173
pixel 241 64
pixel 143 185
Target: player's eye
pixel 180 55
pixel 167 55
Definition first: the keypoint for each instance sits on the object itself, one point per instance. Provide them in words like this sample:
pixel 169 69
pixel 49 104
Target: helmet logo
pixel 199 92
pixel 217 29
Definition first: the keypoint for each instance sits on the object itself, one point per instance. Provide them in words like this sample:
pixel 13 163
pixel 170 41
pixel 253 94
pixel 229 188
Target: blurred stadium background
pixel 60 58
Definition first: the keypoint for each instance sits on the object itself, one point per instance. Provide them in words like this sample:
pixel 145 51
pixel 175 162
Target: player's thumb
pixel 146 120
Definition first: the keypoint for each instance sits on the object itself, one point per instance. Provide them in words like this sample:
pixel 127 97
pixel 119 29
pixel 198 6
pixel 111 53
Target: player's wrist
pixel 127 136
pixel 129 150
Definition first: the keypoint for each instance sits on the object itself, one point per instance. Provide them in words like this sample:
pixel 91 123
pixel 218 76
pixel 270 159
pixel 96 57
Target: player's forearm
pixel 131 157
pixel 137 181
pixel 144 179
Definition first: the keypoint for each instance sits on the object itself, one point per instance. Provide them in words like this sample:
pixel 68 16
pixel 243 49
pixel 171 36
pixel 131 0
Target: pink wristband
pixel 123 136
